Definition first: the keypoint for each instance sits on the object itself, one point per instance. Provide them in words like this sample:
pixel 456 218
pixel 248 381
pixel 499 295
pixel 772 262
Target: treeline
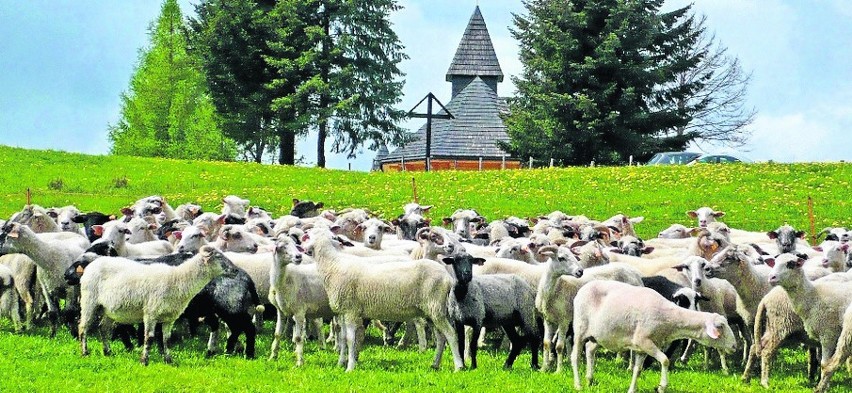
pixel 602 80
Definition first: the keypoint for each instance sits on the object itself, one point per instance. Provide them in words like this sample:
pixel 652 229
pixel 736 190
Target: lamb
pixel 513 249
pixel 188 211
pixel 391 291
pixel 23 275
pixel 9 297
pixel 503 300
pixel 675 231
pixel 619 317
pixel 557 288
pixel 349 222
pixel 115 234
pixel 191 239
pixel 372 231
pixel 65 218
pixel 234 238
pixel 705 215
pixel 141 231
pixel 296 290
pixel 820 305
pixel 127 292
pixel 51 258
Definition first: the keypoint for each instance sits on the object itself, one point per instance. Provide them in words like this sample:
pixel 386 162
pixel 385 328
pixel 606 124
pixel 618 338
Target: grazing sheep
pixel 295 290
pixel 9 297
pixel 390 291
pixel 127 292
pixel 623 317
pixel 491 301
pixel 820 304
pixel 51 259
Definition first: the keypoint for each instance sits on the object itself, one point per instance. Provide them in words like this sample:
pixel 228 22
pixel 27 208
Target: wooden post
pixel 531 162
pixel 630 163
pixel 402 163
pixel 503 163
pixel 480 164
pixel 29 197
pixel 414 189
pixel 551 162
pixel 811 219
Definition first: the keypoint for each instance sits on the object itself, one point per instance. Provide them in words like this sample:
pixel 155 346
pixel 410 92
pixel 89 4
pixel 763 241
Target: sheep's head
pixel 632 246
pixel 286 251
pixel 729 262
pixel 372 231
pixel 786 269
pixel 694 268
pixel 785 237
pixel 562 261
pixel 512 249
pixel 233 238
pixel 718 334
pixel 190 239
pixel 675 231
pixel 705 215
pixel 213 259
pixel 11 230
pixel 709 243
pixel 409 224
pixel 305 209
pixel 834 257
pixel 436 242
pixel 461 221
pixel 462 264
pixel 75 271
pixel 590 254
pixel 415 208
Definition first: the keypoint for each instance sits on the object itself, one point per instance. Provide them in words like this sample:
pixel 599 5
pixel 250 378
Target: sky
pixel 64 65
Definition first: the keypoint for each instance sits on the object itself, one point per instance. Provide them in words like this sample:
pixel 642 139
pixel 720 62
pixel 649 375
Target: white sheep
pixel 235 208
pixel 820 304
pixel 621 317
pixel 115 233
pixel 390 291
pixel 51 259
pixel 295 290
pixel 705 215
pixel 676 231
pixel 141 231
pixel 461 220
pixel 127 292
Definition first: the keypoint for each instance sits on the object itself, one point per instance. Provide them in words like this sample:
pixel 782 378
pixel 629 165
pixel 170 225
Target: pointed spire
pixel 475 55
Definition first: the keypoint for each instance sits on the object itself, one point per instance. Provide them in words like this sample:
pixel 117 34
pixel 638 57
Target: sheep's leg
pixel 723 362
pixel 463 335
pixel 244 324
pixel 546 346
pixel 648 346
pixel 468 333
pixel 443 326
pixel 146 345
pixel 105 330
pixel 351 326
pixel 213 342
pixel 481 342
pixel 591 347
pixel 340 339
pixel 420 327
pixel 87 316
pixel 516 347
pixel 317 323
pixel 560 348
pixel 475 332
pixel 638 362
pixel 575 362
pixel 276 338
pixel 164 346
pixel 690 346
pixel 813 367
pixel 767 353
pixel 440 343
pixel 298 339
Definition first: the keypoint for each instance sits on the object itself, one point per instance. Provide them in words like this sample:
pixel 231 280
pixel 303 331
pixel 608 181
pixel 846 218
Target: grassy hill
pixel 756 197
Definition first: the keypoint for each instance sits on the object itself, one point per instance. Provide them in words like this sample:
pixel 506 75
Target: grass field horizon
pixel 755 197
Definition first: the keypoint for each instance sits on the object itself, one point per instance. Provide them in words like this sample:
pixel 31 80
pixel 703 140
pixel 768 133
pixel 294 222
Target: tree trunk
pixel 321 135
pixel 287 147
pixel 324 97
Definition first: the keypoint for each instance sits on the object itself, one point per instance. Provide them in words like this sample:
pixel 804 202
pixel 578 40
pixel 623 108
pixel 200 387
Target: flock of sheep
pixel 561 283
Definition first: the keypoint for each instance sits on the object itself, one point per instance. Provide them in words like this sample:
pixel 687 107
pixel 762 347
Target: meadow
pixel 757 197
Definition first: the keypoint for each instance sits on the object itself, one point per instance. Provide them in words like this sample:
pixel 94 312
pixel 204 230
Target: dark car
pixel 673 158
pixel 716 159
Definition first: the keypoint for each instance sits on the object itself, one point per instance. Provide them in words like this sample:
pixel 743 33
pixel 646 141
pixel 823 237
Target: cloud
pixel 818 134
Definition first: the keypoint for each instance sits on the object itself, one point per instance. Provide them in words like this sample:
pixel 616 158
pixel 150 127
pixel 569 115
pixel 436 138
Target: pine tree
pixel 167 111
pixel 595 74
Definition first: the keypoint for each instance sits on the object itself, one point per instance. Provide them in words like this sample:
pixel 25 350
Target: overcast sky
pixel 64 64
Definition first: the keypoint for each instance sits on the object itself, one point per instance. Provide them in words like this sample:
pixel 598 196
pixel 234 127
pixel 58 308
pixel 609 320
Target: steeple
pixel 474 57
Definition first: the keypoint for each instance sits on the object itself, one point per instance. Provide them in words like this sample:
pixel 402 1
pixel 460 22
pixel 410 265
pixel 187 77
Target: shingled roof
pixel 472 134
pixel 475 55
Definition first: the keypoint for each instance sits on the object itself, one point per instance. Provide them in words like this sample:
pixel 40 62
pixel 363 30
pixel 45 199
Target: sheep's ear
pixel 680 268
pixel 844 247
pixel 395 221
pixel 547 253
pixel 295 201
pixel 14 231
pixel 614 229
pixel 221 219
pixel 478 261
pixel 758 249
pixel 111 217
pixel 152 227
pixel 428 221
pixel 98 230
pixel 52 213
pixel 579 243
pixel 447 220
pixel 616 251
pixel 426 208
pixel 818 248
pixel 772 235
pixel 800 261
pixel 647 250
pixel 769 262
pixel 692 214
pixel 637 220
pixel 449 260
pixel 305 238
pixel 81 218
pixel 494 243
pixel 178 234
pixel 718 214
pixel 800 234
pixel 693 231
pixel 614 243
pixel 127 211
pixel 533 220
pixel 711 329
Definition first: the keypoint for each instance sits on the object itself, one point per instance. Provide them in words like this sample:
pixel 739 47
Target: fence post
pixel 630 163
pixel 402 163
pixel 531 160
pixel 551 162
pixel 811 219
pixel 503 163
pixel 592 164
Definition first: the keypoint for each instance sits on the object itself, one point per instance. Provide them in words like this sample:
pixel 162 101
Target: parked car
pixel 717 159
pixel 672 158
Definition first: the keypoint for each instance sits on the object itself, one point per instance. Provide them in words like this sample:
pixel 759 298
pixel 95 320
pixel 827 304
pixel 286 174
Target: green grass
pixel 755 197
